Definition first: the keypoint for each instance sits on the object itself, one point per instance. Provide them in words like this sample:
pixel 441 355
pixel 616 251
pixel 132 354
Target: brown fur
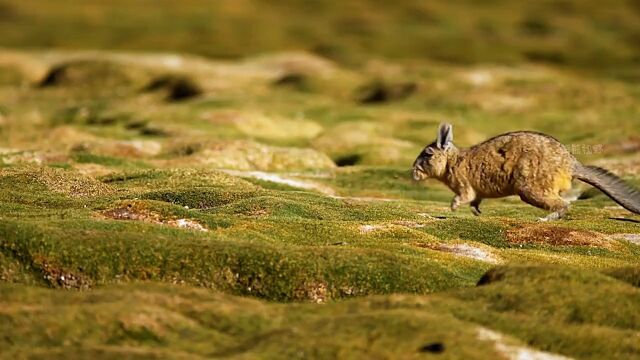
pixel 532 165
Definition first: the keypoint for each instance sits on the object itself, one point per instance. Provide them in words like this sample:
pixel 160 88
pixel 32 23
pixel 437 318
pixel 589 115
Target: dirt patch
pixel 315 292
pixel 557 236
pixel 58 277
pixel 137 211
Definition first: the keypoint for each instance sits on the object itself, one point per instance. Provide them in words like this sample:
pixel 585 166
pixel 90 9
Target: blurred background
pixel 585 34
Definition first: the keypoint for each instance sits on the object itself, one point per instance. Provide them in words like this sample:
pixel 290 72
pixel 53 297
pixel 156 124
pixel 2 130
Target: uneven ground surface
pixel 156 205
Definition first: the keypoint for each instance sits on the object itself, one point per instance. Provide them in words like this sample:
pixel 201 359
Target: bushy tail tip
pixel 614 187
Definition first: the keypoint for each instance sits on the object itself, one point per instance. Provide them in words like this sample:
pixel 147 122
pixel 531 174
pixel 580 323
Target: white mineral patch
pixel 189 224
pixel 365 229
pixel 472 252
pixel 632 238
pixel 283 179
pixel 515 352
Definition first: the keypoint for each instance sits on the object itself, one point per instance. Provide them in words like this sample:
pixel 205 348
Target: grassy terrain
pixel 580 313
pixel 160 205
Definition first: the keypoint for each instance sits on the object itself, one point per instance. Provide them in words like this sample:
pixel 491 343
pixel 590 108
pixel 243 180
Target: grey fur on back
pixel 611 185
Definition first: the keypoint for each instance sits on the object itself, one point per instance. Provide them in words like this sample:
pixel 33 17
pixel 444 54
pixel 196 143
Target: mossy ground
pixel 270 213
pixel 575 312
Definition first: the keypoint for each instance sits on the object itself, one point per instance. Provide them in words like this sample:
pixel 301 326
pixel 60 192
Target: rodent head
pixel 432 161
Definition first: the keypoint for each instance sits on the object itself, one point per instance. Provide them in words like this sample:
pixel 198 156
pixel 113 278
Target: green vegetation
pixel 574 313
pixel 170 205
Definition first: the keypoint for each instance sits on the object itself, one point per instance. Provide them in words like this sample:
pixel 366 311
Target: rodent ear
pixel 445 136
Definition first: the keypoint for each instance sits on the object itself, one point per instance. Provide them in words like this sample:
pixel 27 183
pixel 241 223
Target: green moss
pixel 146 180
pixel 590 312
pixel 488 232
pixel 45 186
pixel 157 320
pixel 106 208
pixel 291 205
pixel 199 198
pixel 244 266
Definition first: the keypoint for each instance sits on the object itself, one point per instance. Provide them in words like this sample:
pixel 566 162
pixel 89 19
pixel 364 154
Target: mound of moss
pixel 366 143
pixel 98 75
pixel 592 315
pixel 47 179
pixel 250 155
pixel 17 69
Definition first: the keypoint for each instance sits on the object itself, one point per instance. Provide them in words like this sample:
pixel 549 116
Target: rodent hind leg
pixel 551 202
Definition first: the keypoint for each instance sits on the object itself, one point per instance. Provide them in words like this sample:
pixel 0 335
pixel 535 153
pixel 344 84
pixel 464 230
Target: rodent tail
pixel 611 185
